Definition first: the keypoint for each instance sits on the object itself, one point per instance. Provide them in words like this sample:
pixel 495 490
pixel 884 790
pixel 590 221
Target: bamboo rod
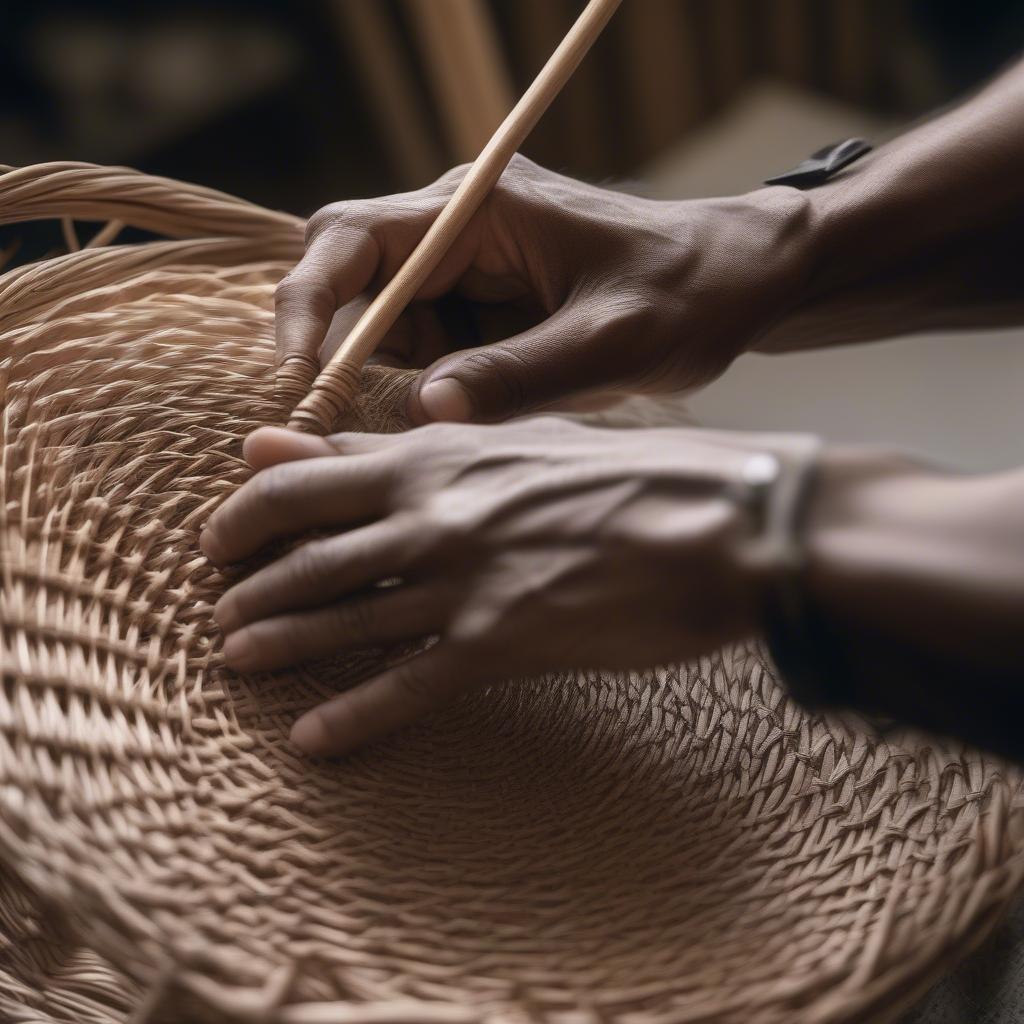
pixel 339 379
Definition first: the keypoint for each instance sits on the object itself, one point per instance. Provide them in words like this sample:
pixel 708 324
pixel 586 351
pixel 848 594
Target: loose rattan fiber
pixel 682 845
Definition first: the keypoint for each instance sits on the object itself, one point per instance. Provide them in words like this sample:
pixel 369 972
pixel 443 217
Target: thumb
pixel 560 357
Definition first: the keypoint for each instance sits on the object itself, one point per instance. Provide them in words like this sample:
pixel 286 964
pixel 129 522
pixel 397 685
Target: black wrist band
pixel 776 486
pixel 821 165
pixel 807 653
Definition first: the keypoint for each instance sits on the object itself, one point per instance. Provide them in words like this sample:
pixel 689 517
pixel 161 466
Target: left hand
pixel 535 546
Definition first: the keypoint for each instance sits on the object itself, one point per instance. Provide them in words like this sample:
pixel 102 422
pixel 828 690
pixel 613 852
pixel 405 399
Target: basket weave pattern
pixel 681 845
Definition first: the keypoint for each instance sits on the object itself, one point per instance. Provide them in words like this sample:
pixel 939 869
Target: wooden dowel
pixel 339 379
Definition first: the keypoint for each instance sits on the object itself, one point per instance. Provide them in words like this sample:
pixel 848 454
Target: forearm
pixel 921 234
pixel 918 577
pixel 975 281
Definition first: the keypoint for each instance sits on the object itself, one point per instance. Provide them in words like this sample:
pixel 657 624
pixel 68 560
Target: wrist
pixel 765 242
pixel 848 215
pixel 791 223
pixel 913 577
pixel 805 637
pixel 857 520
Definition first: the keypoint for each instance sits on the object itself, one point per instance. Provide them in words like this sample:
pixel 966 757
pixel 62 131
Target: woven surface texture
pixel 681 845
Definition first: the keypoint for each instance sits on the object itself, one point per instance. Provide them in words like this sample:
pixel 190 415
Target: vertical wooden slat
pixel 789 40
pixel 851 42
pixel 375 48
pixel 574 134
pixel 727 28
pixel 662 81
pixel 469 76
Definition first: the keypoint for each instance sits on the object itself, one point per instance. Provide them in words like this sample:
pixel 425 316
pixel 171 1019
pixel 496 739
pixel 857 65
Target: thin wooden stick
pixel 338 381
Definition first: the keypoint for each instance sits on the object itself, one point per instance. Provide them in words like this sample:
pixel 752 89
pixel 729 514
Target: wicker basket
pixel 685 845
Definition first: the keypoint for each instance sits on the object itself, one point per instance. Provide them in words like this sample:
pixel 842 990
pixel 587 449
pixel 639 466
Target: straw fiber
pixel 675 846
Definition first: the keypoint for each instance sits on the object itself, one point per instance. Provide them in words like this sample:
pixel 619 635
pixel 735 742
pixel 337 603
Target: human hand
pixel 526 548
pixel 559 288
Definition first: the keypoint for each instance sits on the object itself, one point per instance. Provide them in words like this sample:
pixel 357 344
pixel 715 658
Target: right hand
pixel 606 291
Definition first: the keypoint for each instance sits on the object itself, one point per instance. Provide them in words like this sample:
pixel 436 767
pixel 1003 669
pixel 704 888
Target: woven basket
pixel 681 845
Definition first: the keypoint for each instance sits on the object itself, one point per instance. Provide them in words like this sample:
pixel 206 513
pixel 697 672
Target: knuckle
pixel 430 436
pixel 414 682
pixel 507 373
pixel 471 630
pixel 240 605
pixel 392 467
pixel 627 307
pixel 357 620
pixel 520 167
pixel 445 522
pixel 548 424
pixel 523 186
pixel 452 176
pixel 287 288
pixel 274 492
pixel 523 169
pixel 415 462
pixel 301 290
pixel 270 643
pixel 307 566
pixel 329 217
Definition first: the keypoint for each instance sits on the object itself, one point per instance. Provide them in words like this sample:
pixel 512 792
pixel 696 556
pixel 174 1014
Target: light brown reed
pixel 672 846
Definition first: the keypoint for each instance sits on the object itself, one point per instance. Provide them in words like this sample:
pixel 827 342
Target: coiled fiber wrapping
pixel 673 846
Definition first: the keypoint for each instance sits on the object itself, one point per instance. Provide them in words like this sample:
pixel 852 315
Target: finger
pixel 337 266
pixel 386 616
pixel 292 497
pixel 415 332
pixel 344 319
pixel 420 335
pixel 268 446
pixel 317 573
pixel 570 353
pixel 349 247
pixel 393 699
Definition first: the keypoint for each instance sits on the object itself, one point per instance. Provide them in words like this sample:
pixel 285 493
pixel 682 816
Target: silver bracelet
pixel 776 487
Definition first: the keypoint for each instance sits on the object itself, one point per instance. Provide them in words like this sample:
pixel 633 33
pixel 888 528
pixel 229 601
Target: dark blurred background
pixel 295 104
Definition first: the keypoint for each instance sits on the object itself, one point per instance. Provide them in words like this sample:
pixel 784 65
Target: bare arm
pixel 561 289
pixel 918 578
pixel 540 545
pixel 922 234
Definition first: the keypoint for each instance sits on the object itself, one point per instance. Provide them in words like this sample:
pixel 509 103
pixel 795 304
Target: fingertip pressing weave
pixel 309 734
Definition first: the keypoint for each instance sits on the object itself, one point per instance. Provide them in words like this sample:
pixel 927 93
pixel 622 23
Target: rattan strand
pixel 682 845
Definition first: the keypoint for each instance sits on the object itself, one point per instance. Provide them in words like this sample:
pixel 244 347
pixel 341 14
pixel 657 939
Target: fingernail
pixel 309 734
pixel 210 546
pixel 237 653
pixel 447 400
pixel 225 617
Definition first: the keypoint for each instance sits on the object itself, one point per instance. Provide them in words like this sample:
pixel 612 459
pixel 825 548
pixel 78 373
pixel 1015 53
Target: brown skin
pixel 602 286
pixel 539 545
pixel 499 534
